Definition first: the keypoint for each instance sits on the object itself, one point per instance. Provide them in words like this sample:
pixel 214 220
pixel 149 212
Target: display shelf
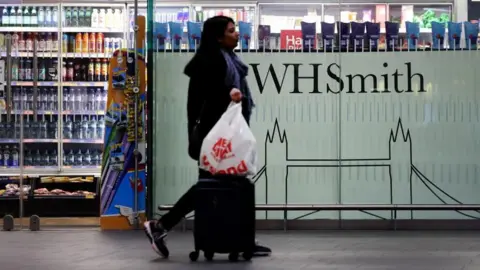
pixel 30 54
pixel 92 141
pixel 40 140
pixel 87 55
pixel 28 29
pixel 31 83
pixel 93 30
pixel 84 84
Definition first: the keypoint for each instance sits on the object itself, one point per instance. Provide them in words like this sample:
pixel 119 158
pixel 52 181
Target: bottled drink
pixel 28 70
pixel 81 17
pixel 99 39
pixel 15 157
pixel 87 158
pixel 2 129
pixel 13 17
pixel 49 42
pixel 52 70
pixel 94 20
pixel 98 99
pixel 43 128
pixel 66 99
pixel 21 70
pixel 42 70
pixel 118 15
pixel 78 159
pixel 104 74
pixel 78 43
pixel 17 128
pixel 9 129
pixel 101 18
pixel 42 42
pixel 98 70
pixel 5 17
pixel 28 159
pixel 100 127
pixel 54 17
pixel 83 72
pixel 16 99
pixel 6 157
pixel 92 43
pixel 34 129
pixel 26 17
pixel 91 71
pixel 52 128
pixel 15 69
pixel 85 43
pixel 74 22
pixel 92 128
pixel 26 128
pixel 77 129
pixel 23 98
pixel 109 18
pixel 53 99
pixel 76 71
pixel 34 17
pixel 88 17
pixel 67 128
pixel 70 160
pixel 53 158
pixel 29 42
pixel 90 100
pixel 41 16
pixel 68 17
pixel 19 16
pixel 37 158
pixel 104 100
pixel 85 128
pixel 78 100
pixel 48 17
pixel 45 160
pixel 1 157
pixel 45 99
pixel 29 105
pixel 70 71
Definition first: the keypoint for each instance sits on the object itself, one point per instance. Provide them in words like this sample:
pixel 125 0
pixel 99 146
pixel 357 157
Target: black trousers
pixel 182 207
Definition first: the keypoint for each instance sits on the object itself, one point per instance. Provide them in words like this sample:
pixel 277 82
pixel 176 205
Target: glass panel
pixel 165 14
pixel 424 15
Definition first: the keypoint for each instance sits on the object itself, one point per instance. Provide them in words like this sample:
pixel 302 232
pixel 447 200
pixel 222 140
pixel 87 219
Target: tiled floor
pixel 91 249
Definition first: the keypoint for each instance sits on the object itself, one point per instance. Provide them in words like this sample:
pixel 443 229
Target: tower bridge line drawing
pixel 280 138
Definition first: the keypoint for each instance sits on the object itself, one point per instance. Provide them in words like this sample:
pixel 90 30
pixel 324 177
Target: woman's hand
pixel 236 95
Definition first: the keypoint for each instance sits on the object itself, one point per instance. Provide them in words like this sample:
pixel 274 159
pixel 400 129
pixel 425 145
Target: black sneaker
pixel 261 251
pixel 157 238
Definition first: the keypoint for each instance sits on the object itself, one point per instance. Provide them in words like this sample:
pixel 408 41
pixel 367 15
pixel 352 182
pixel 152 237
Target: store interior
pixel 52 103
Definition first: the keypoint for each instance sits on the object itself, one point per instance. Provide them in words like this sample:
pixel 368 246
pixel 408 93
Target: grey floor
pixel 92 249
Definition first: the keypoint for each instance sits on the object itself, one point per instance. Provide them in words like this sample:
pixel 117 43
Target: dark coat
pixel 208 94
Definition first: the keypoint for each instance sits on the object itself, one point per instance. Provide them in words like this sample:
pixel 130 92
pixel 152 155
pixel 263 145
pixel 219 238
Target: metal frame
pixel 354 207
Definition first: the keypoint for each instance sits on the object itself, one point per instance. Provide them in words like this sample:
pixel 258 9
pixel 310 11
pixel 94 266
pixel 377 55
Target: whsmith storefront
pixel 356 104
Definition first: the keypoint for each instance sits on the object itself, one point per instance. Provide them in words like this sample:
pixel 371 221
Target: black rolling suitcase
pixel 224 217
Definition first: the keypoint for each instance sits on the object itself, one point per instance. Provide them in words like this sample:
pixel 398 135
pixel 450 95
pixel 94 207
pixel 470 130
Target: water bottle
pixel 9 129
pixel 17 128
pixel 78 99
pixel 53 158
pixel 16 99
pixel 85 128
pixel 77 130
pixel 52 129
pixel 98 99
pixel 24 99
pixel 87 158
pixel 27 159
pixel 92 128
pixel 91 100
pixel 54 17
pixel 37 158
pixel 26 128
pixel 43 129
pixel 104 100
pixel 48 17
pixel 67 128
pixel 100 127
pixel 78 159
pixel 66 99
pixel 34 129
pixel 53 99
pixel 45 159
pixel 41 16
pixel 2 128
pixel 45 99
pixel 15 157
pixel 6 157
pixel 29 104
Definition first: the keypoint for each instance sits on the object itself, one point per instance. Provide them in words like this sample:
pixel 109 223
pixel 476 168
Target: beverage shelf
pixel 87 141
pixel 87 84
pixel 91 30
pixel 28 29
pixel 87 55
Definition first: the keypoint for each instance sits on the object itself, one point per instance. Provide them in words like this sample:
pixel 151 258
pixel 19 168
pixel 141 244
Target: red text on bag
pixel 222 149
pixel 240 169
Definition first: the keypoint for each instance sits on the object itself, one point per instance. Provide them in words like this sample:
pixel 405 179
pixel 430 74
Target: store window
pixel 355 13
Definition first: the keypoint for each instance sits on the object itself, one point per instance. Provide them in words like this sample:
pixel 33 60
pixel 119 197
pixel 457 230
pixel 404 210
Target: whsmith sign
pixel 367 128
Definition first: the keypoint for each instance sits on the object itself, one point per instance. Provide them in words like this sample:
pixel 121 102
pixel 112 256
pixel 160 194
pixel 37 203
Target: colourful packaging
pixel 328 34
pixel 391 35
pixel 176 33
pixel 438 35
pixel 454 34
pixel 160 33
pixel 264 37
pixel 373 34
pixel 413 32
pixel 245 31
pixel 343 30
pixel 309 32
pixel 194 30
pixel 357 36
pixel 471 35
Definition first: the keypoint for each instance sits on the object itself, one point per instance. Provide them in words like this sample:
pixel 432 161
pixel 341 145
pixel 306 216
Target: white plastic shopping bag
pixel 230 147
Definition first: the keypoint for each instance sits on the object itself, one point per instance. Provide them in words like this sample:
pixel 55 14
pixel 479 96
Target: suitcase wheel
pixel 233 257
pixel 208 255
pixel 194 256
pixel 247 256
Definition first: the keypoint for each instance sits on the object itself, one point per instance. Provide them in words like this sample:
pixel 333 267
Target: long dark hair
pixel 213 30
